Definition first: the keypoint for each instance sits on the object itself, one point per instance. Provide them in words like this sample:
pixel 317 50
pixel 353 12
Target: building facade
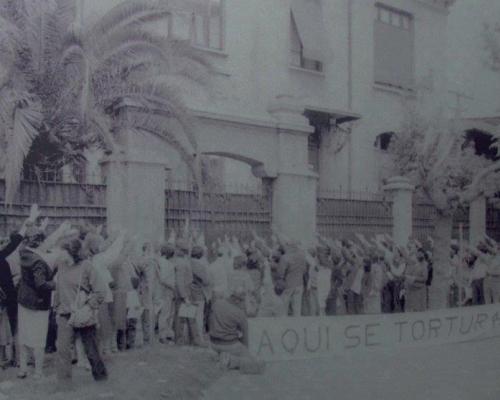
pixel 346 64
pixel 306 92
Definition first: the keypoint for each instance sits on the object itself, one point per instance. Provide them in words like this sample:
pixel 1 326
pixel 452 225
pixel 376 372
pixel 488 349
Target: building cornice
pixel 251 121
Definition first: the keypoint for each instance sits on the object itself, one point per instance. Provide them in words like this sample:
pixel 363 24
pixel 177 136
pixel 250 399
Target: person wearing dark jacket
pixel 8 294
pixel 7 288
pixel 228 329
pixel 291 271
pixel 34 298
pixel 200 289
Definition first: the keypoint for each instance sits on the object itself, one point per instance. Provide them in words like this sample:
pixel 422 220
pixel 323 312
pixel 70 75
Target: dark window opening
pixel 383 140
pixel 482 142
pixel 321 122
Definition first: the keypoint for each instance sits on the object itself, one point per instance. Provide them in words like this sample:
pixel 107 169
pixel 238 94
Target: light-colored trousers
pixel 166 316
pixel 293 297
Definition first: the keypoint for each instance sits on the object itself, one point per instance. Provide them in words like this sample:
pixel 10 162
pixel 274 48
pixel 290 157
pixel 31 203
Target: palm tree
pixel 83 76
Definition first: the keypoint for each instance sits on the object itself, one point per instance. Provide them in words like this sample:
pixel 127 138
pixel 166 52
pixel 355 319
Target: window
pixel 309 46
pixel 206 24
pixel 394 47
pixel 201 21
pixel 383 141
pixel 297 58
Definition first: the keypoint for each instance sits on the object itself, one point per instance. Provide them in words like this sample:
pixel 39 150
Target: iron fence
pixel 222 212
pixel 234 214
pixel 57 200
pixel 370 213
pixel 345 217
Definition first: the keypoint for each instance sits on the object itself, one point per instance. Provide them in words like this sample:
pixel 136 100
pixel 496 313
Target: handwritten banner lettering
pixel 274 339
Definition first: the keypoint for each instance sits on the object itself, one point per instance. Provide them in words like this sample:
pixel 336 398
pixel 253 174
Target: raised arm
pixel 112 253
pixel 14 242
pixel 97 288
pixel 17 238
pixel 53 238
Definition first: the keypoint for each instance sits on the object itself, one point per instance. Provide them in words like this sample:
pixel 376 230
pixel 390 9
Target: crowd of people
pixel 85 295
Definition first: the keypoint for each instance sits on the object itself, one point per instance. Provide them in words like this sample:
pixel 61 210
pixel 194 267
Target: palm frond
pixel 145 124
pixel 131 48
pixel 57 23
pixel 72 49
pixel 35 18
pixel 158 99
pixel 130 14
pixel 27 119
pixel 101 126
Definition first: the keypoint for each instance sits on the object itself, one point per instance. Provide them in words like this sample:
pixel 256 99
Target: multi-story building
pixel 307 92
pixel 346 64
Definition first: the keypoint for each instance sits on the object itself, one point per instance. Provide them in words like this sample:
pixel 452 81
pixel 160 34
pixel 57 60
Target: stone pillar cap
pixel 398 183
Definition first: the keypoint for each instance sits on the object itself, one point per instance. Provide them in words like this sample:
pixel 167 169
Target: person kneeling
pixel 228 329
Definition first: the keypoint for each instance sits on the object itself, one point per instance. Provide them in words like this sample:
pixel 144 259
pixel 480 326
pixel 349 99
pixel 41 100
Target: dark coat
pixel 6 282
pixel 292 269
pixel 36 282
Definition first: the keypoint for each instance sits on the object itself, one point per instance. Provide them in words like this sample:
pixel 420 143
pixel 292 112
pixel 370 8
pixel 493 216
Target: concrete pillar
pixel 136 181
pixel 135 197
pixel 295 187
pixel 294 206
pixel 401 191
pixel 477 220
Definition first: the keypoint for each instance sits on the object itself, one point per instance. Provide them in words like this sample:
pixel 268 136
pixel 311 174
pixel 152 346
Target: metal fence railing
pixel 371 213
pixel 59 201
pixel 234 214
pixel 223 212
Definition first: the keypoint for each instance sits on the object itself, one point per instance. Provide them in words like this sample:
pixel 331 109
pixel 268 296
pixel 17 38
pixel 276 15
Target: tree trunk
pixel 438 291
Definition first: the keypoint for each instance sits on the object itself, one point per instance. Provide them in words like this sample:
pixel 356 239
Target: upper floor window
pixel 201 21
pixel 309 47
pixel 207 24
pixel 394 47
pixel 297 58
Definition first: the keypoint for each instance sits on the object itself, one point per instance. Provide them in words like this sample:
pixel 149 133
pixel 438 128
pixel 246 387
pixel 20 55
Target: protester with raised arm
pixel 102 258
pixel 34 299
pixel 492 280
pixel 185 328
pixel 354 279
pixel 291 270
pixel 478 272
pixel 415 279
pixel 166 292
pixel 8 293
pixel 200 288
pixel 79 294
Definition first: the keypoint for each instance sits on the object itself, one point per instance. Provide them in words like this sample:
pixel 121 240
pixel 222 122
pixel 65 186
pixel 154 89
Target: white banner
pixel 274 339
